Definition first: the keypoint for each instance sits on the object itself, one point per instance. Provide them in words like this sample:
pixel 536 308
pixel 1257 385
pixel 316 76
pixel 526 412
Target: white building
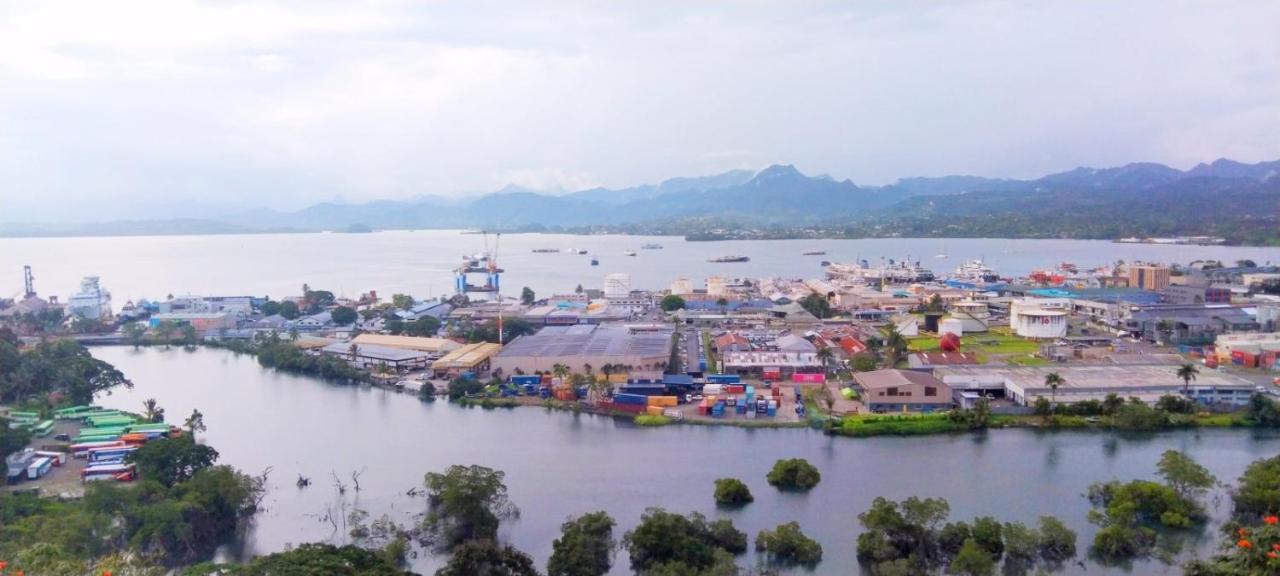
pixel 92 301
pixel 717 286
pixel 681 286
pixel 973 316
pixel 1040 317
pixel 617 285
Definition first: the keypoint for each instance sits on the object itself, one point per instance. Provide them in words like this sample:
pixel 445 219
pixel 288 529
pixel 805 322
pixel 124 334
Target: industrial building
pixel 1148 277
pixel 372 357
pixel 472 358
pixel 1147 382
pixel 92 301
pixel 617 285
pixel 204 322
pixel 1042 318
pixel 435 347
pixel 903 390
pixel 585 346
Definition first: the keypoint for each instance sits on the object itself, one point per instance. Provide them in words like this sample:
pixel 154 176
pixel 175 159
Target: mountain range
pixel 1223 198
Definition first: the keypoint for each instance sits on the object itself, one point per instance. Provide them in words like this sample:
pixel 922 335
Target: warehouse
pixel 434 347
pixel 472 358
pixel 903 391
pixel 585 348
pixel 1149 382
pixel 370 357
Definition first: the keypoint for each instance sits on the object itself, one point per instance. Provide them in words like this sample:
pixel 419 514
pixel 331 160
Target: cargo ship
pixel 891 271
pixel 651 246
pixel 725 259
pixel 815 253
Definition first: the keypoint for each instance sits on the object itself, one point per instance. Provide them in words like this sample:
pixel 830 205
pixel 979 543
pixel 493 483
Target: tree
pixel 934 304
pixel 668 543
pixel 953 536
pixel 58 370
pixel 194 423
pixel 794 474
pixel 1258 491
pixel 895 344
pixel 732 492
pixel 314 558
pixel 427 392
pixel 787 545
pixel 828 397
pixel 343 316
pixel 485 558
pixel 585 546
pixel 465 503
pixel 527 297
pixel 289 310
pixel 1187 372
pixel 723 304
pixel 269 308
pixel 152 411
pixel 172 460
pixel 825 355
pixel 136 333
pixel 12 439
pixel 989 535
pixel 972 560
pixel 402 301
pixel 1057 542
pixel 671 303
pixel 1053 380
pixel 817 305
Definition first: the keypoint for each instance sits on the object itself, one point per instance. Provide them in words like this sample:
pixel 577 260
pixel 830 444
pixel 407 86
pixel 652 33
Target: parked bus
pixel 73 412
pixel 108 454
pixel 43 429
pixel 81 450
pixel 59 458
pixel 39 467
pixel 114 472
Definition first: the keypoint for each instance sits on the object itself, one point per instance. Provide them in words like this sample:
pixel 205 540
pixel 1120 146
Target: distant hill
pixel 1225 198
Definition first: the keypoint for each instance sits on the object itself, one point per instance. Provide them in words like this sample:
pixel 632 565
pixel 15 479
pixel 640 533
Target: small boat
pixel 651 246
pixel 940 256
pixel 595 261
pixel 727 259
pixel 545 250
pixel 629 253
pixel 816 253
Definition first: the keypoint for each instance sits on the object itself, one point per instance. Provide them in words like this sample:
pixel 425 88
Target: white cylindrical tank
pixel 952 325
pixel 1040 323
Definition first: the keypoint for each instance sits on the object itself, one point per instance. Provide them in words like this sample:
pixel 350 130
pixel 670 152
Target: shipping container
pixel 713 389
pixel 654 410
pixel 565 395
pixel 665 401
pixel 724 378
pixel 634 399
pixel 809 377
pixel 524 379
pixel 734 388
pixel 629 408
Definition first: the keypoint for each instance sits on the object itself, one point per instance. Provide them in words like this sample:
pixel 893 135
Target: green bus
pixel 73 412
pixel 43 429
pixel 112 421
pixel 94 438
pixel 149 427
pixel 24 416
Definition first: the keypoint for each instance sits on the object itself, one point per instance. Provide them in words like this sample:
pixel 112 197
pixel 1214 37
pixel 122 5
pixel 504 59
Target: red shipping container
pixel 734 388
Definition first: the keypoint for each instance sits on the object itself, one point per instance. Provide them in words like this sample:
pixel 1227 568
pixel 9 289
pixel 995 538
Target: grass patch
pixel 652 420
pixel 487 402
pixel 1027 361
pixel 899 425
pixel 994 342
pixel 711 357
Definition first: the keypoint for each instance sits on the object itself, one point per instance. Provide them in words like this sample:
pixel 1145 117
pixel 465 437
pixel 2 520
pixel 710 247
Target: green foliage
pixel 313 301
pixel 989 535
pixel 343 315
pixel 906 532
pixel 973 560
pixel 952 537
pixel 1021 544
pixel 977 418
pixel 864 364
pixel 485 558
pixel 787 545
pixel 732 492
pixel 1176 404
pixel 402 301
pixel 651 420
pixel 794 474
pixel 1258 490
pixel 12 439
pixel 172 460
pixel 817 305
pixel 286 356
pixel 669 543
pixel 311 559
pixel 289 310
pixel 1057 542
pixel 269 308
pixel 671 303
pixel 427 392
pixel 465 503
pixel 862 425
pixel 424 327
pixel 585 546
pixel 1188 478
pixel 1264 411
pixel 53 373
pixel 527 297
pixel 462 387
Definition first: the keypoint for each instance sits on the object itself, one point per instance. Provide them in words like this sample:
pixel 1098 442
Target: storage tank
pixel 1040 323
pixel 951 326
pixel 974 316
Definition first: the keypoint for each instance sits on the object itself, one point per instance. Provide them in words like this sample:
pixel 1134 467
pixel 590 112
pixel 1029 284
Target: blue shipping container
pixel 526 379
pixel 724 378
pixel 636 399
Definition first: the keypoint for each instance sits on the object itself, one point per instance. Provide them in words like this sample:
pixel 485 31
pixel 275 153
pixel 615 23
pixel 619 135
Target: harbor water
pixel 420 262
pixel 560 464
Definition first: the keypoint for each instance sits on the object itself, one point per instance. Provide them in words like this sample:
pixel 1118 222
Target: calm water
pixel 559 464
pixel 420 262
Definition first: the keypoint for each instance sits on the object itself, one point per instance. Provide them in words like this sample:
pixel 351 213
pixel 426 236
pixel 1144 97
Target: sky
pixel 128 109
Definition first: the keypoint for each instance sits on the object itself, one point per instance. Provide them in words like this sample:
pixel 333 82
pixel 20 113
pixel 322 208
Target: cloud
pixel 105 107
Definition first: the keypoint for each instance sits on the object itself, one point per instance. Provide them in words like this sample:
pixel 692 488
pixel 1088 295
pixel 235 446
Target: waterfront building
pixel 903 391
pixel 1148 276
pixel 92 301
pixel 1147 382
pixel 717 286
pixel 617 285
pixel 1194 324
pixel 433 347
pixel 585 345
pixel 681 287
pixel 474 358
pixel 205 323
pixel 370 357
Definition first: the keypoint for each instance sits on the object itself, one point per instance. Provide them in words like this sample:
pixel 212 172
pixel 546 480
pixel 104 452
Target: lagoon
pixel 560 464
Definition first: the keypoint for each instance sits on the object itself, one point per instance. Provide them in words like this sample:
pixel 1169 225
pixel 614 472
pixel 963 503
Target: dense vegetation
pixel 669 543
pixel 794 474
pixel 732 492
pixel 787 545
pixel 52 373
pixel 910 538
pixel 585 546
pixel 284 355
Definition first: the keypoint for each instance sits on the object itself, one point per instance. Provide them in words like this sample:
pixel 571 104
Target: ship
pixel 975 271
pixel 890 271
pixel 629 253
pixel 651 246
pixel 815 253
pixel 595 261
pixel 545 250
pixel 726 259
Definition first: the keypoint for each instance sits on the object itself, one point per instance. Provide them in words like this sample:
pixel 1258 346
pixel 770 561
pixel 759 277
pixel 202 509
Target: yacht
pixel 975 271
pixel 595 261
pixel 725 259
pixel 629 253
pixel 651 246
pixel 815 253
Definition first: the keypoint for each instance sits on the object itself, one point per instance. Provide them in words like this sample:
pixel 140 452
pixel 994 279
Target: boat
pixel 726 259
pixel 576 251
pixel 815 253
pixel 595 261
pixel 940 256
pixel 975 271
pixel 629 253
pixel 651 246
pixel 546 250
pixel 891 271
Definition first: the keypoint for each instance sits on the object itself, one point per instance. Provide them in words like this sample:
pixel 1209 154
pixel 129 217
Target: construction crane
pixel 29 282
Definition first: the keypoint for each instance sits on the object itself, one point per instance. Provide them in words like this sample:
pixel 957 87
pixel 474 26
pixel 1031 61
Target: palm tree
pixel 354 351
pixel 723 304
pixel 825 355
pixel 1053 380
pixel 560 370
pixel 194 423
pixel 152 411
pixel 895 343
pixel 293 335
pixel 1187 372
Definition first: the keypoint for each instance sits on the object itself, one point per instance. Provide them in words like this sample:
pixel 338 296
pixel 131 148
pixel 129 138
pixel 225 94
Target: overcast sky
pixel 113 109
